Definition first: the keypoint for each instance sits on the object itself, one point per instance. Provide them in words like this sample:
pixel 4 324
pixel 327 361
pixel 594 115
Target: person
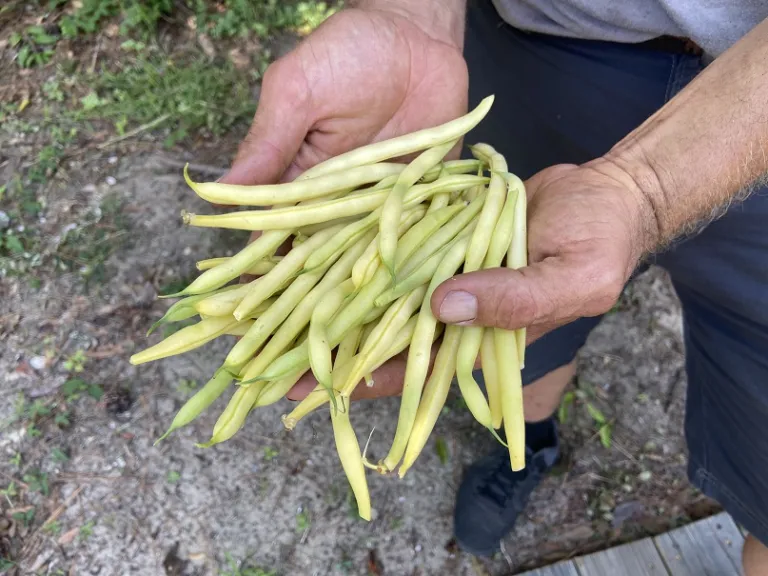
pixel 641 128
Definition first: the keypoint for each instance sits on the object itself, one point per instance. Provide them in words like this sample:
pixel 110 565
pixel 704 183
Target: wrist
pixel 641 200
pixel 441 19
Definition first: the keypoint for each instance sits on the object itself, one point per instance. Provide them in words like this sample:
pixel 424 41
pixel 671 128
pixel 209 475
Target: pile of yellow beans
pixel 370 241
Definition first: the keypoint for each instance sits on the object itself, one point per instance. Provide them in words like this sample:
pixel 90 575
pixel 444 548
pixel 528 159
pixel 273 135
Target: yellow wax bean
pixel 349 316
pixel 296 191
pixel 258 269
pixel 419 354
pixel 223 304
pixel 424 273
pixel 491 376
pixel 302 313
pixel 348 346
pixel 319 395
pixel 241 329
pixel 200 401
pixel 402 145
pixel 393 206
pixel 435 393
pixel 270 319
pixel 382 336
pixel 265 245
pixel 276 391
pixel 442 236
pixel 184 308
pixel 286 269
pixel 296 216
pixel 346 237
pixel 319 346
pixel 517 257
pixel 348 450
pixel 185 339
pixel 511 395
pixel 241 402
pixel 421 231
pixel 496 218
pixel 367 264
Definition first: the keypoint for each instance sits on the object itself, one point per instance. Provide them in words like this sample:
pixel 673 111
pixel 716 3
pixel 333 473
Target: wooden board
pixel 635 559
pixel 710 547
pixel 560 569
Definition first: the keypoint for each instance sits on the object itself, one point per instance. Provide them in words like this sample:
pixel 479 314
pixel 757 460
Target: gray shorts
pixel 569 101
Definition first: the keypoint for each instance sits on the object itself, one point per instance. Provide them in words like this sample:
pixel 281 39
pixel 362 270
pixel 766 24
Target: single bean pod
pixel 402 145
pixel 490 369
pixel 257 269
pixel 302 215
pixel 216 277
pixel 348 450
pixel 290 192
pixel 233 419
pixel 319 346
pixel 184 308
pixel 393 206
pixel 200 401
pixel 185 340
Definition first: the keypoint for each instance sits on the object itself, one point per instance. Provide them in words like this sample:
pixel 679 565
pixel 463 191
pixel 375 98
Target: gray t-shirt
pixel 713 24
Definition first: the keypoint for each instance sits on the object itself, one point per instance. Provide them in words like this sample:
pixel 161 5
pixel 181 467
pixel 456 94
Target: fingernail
pixel 458 306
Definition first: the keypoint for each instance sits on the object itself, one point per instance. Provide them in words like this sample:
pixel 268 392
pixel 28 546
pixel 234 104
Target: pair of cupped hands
pixel 365 76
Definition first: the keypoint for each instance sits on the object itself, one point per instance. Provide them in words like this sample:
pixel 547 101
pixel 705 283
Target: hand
pixel 362 76
pixel 588 227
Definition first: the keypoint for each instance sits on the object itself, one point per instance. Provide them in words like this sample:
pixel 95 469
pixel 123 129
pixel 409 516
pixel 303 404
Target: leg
pixel 557 101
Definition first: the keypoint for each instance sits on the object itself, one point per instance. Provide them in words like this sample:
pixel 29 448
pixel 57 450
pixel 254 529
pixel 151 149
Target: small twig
pixel 56 513
pixel 134 132
pixel 204 168
pixel 92 67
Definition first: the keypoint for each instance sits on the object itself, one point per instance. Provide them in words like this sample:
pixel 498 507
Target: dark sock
pixel 540 434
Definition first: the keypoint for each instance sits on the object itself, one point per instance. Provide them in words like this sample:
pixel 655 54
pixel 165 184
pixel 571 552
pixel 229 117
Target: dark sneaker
pixel 491 495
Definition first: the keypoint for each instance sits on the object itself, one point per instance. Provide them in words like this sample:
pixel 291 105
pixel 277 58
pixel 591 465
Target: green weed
pixel 35 46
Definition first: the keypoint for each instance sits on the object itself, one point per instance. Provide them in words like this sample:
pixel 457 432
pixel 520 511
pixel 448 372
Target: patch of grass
pixel 87 247
pixel 52 528
pixel 303 521
pixel 86 530
pixel 244 569
pixel 59 455
pixel 35 46
pixel 26 517
pixel 173 476
pixel 193 95
pixel 270 453
pixel 37 481
pixel 74 387
pixel 187 387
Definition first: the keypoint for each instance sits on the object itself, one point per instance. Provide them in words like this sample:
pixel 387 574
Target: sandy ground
pixel 279 500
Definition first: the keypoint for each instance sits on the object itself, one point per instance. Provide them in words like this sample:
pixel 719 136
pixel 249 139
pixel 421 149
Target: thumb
pixel 278 130
pixel 549 293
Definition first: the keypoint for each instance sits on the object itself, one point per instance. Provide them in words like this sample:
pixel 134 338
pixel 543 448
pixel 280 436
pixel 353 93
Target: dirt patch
pixel 274 499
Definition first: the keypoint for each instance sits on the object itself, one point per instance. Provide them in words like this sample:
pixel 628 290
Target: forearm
pixel 704 146
pixel 442 19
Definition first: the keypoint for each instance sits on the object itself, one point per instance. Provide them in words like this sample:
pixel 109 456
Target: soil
pixel 280 499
